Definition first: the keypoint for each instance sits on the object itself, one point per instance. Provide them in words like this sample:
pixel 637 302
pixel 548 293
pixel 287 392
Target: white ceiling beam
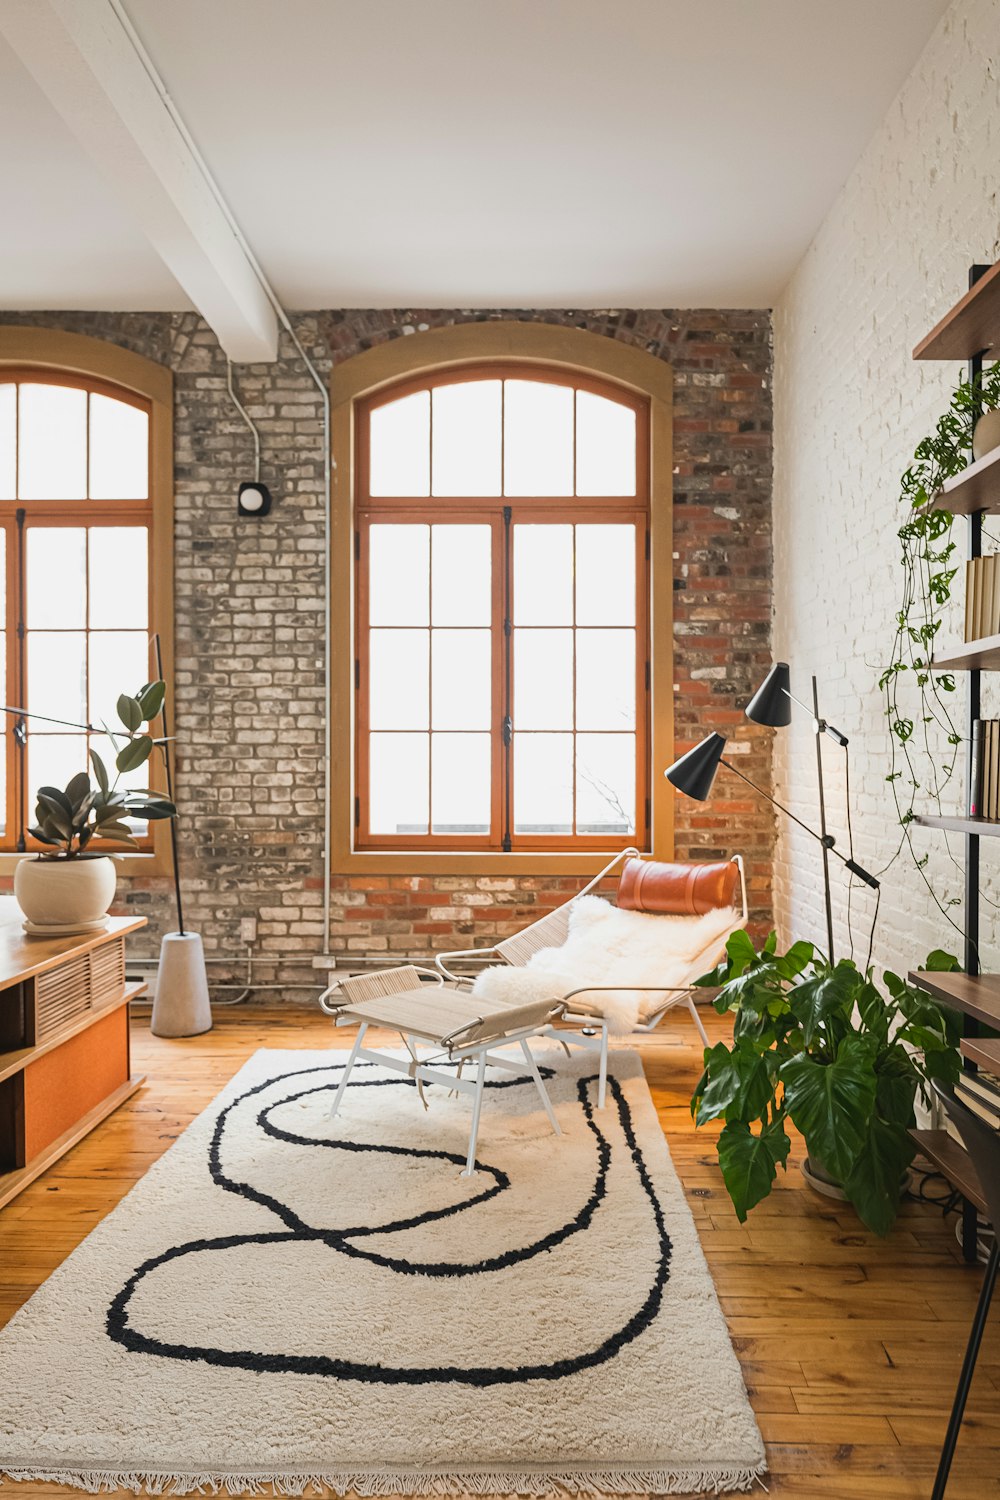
pixel 82 56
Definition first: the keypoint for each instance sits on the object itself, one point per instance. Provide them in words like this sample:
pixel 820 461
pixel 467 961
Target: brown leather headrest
pixel 683 890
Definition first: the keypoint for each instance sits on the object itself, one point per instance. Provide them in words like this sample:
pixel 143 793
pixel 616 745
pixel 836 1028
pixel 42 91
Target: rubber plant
pixel 823 1048
pixel 66 820
pixel 924 739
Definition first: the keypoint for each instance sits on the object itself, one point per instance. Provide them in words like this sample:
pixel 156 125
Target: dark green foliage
pixel 826 1049
pixel 66 821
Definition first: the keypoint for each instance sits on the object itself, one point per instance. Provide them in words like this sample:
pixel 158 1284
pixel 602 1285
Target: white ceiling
pixel 429 153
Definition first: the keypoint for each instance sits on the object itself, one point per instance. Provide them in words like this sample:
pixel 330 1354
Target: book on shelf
pixel 984 780
pixel 981 1085
pixel 982 597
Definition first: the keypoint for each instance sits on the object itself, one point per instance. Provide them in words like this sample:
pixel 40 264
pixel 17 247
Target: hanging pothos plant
pixel 924 738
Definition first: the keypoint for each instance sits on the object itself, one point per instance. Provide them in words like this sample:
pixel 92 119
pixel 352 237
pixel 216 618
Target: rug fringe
pixel 599 1483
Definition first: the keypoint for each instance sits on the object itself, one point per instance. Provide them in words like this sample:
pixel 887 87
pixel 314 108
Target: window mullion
pixel 507 734
pixel 19 727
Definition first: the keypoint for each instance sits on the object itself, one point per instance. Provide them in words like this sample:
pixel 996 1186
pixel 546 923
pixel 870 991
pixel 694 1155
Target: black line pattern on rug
pixel 297 1231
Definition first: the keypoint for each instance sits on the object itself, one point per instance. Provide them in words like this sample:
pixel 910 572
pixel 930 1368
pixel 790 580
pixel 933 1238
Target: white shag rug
pixel 285 1299
pixel 609 945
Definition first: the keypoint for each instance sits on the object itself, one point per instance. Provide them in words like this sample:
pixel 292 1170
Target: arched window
pixel 80 591
pixel 502 676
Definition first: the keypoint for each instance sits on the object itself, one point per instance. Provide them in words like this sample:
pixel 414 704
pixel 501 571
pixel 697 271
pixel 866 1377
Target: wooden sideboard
pixel 64 1043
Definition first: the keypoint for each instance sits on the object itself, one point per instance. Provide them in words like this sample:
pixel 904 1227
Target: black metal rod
pixel 170 789
pixel 822 821
pixel 968 1369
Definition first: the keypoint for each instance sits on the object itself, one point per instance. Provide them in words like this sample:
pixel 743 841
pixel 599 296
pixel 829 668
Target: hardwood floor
pixel 850 1345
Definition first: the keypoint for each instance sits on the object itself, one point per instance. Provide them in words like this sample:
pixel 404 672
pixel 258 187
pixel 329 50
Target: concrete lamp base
pixel 180 1005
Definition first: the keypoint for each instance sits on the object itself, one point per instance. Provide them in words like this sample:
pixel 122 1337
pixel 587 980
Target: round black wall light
pixel 254 499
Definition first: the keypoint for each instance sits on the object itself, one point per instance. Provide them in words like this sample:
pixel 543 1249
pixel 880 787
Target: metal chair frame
pixel 588 1031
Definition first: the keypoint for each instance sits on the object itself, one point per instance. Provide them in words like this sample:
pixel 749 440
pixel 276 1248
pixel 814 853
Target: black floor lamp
pixel 694 773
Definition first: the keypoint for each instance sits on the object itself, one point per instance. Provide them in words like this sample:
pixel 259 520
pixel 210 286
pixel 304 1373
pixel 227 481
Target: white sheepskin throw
pixel 609 946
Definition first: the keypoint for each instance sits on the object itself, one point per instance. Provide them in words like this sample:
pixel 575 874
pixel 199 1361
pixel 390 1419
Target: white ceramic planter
pixel 181 1005
pixel 986 434
pixel 70 894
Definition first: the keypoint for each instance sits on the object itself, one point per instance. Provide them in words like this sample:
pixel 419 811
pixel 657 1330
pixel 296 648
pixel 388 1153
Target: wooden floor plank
pixel 850 1345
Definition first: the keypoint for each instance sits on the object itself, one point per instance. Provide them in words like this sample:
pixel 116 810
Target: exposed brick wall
pixel 249 618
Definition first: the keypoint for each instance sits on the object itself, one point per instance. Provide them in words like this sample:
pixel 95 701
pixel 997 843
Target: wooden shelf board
pixel 977 995
pixel 971 327
pixel 987 828
pixel 976 488
pixel 14 1062
pixel 11 1183
pixel 953 1160
pixel 983 1051
pixel 983 655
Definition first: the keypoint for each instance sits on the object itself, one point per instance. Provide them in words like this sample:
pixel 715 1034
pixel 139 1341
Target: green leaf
pixel 56 795
pixel 873 1184
pixel 940 962
pixel 798 958
pixel 120 833
pixel 739 1086
pixel 828 993
pixel 129 712
pixel 134 753
pixel 45 835
pixel 100 771
pixel 48 811
pixel 111 810
pixel 78 788
pixel 150 699
pixel 831 1103
pixel 749 1162
pixel 153 810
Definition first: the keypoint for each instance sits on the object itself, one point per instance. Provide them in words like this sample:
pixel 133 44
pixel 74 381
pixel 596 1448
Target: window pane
pixel 400 446
pixel 398 575
pixel 467 438
pixel 605 446
pixel 538 438
pixel 52 443
pixel 8 448
pixel 460 783
pixel 119 450
pixel 118 559
pixel 399 789
pixel 461 697
pixel 605 679
pixel 461 579
pixel 543 575
pixel 53 759
pixel 543 679
pixel 119 663
pixel 605 783
pixel 55 577
pixel 543 783
pixel 57 675
pixel 605 575
pixel 398 696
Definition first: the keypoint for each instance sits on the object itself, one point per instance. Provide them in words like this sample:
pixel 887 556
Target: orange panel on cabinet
pixel 68 1082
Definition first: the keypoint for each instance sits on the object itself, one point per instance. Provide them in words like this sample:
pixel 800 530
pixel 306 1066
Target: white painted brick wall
pixel 850 406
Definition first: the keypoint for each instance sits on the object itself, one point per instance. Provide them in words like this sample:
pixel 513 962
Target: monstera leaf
pixel 832 1103
pixel 750 1162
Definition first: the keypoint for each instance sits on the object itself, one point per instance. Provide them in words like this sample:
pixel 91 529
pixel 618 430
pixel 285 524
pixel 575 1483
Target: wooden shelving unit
pixel 973 656
pixel 972 327
pixel 977 488
pixel 980 828
pixel 969 331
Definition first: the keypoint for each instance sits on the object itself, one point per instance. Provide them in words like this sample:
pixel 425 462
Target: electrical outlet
pixel 248 931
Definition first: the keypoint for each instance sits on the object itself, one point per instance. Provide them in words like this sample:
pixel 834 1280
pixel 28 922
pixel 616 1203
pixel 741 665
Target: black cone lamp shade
pixel 771 703
pixel 694 773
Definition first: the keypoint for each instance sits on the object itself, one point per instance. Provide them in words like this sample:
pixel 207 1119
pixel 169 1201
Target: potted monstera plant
pixel 70 884
pixel 821 1047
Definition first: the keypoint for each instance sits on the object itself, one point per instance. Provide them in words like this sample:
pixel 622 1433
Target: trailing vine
pixel 925 740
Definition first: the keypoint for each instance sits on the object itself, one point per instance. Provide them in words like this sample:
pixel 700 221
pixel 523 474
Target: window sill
pixel 473 863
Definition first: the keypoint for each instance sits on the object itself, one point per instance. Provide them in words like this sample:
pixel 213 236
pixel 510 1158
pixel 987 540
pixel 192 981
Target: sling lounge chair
pixel 688 890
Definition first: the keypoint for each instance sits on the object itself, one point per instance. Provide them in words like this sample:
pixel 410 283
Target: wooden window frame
pixel 54 357
pixel 505 349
